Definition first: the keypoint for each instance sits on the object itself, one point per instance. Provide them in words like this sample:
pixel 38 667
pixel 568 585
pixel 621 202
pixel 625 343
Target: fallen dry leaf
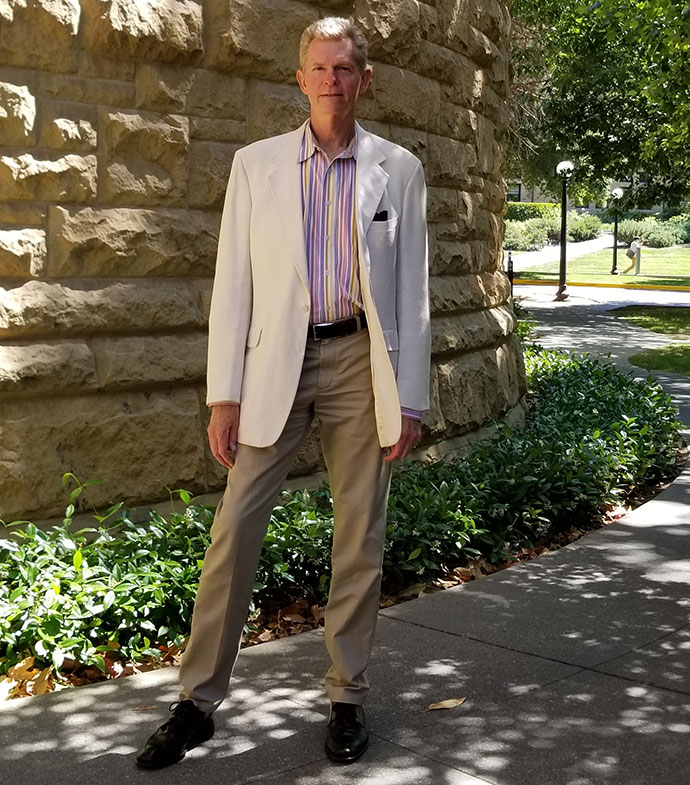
pixel 144 708
pixel 296 618
pixel 450 703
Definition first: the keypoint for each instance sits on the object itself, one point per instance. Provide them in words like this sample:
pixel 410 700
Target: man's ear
pixel 366 79
pixel 300 80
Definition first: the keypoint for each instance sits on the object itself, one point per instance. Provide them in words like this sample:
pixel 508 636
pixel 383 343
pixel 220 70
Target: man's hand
pixel 222 432
pixel 409 439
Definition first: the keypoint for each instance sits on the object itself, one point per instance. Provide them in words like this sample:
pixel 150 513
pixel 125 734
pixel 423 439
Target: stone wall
pixel 118 123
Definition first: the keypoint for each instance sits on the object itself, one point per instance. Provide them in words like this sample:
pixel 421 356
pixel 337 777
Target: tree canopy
pixel 607 85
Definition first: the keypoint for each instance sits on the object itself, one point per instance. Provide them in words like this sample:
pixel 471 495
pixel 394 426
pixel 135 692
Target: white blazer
pixel 261 302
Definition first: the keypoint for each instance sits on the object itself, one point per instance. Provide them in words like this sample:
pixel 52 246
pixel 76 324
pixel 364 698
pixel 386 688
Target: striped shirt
pixel 330 229
pixel 330 233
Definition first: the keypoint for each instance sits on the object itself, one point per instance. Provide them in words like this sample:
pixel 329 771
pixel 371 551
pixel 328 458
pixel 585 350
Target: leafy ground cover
pixel 659 266
pixel 106 601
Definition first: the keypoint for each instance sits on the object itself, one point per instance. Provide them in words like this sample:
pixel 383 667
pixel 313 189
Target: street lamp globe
pixel 617 193
pixel 565 168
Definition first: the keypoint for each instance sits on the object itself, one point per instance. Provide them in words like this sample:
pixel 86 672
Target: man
pixel 320 308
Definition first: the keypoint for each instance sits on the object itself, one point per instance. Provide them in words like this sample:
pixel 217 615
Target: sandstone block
pixel 453 23
pixel 40 34
pixel 457 122
pixel 40 308
pixel 22 213
pixel 392 30
pixel 274 109
pixel 138 442
pixel 491 18
pixel 484 260
pixel 469 83
pixel 145 360
pixel 476 387
pixel 144 158
pixel 452 258
pixel 89 91
pixel 467 293
pixel 17 114
pixel 258 38
pixel 433 418
pixel 467 332
pixel 208 129
pixel 71 178
pixel 442 204
pixel 429 24
pixel 435 62
pixel 69 126
pixel 129 242
pixel 209 171
pixel 46 368
pixel 494 197
pixel 22 252
pixel 146 29
pixel 414 141
pixel 480 49
pixel 191 90
pixel 406 99
pixel 450 162
pixel 201 290
pixel 97 66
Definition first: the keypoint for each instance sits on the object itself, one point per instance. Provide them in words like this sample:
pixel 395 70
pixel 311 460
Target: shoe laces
pixel 182 714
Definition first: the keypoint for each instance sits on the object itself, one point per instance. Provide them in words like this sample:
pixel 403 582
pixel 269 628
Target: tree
pixel 607 85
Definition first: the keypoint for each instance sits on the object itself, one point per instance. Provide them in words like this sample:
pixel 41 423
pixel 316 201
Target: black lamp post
pixel 564 170
pixel 615 195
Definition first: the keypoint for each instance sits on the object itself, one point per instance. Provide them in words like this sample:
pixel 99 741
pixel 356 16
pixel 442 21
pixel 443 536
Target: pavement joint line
pixel 437 761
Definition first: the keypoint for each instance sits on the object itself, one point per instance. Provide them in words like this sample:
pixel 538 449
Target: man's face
pixel 331 78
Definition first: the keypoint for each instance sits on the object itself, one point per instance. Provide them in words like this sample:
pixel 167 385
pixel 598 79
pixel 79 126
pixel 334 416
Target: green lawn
pixel 674 358
pixel 660 266
pixel 667 319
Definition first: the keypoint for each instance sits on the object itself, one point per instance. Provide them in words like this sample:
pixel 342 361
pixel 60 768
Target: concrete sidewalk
pixel 575 667
pixel 524 260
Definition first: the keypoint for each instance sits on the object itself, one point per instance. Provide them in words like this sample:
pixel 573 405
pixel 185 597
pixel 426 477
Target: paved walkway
pixel 575 667
pixel 523 260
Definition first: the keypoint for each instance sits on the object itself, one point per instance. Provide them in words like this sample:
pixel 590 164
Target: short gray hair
pixel 335 28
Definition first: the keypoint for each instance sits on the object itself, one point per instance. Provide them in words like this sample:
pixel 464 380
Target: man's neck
pixel 333 134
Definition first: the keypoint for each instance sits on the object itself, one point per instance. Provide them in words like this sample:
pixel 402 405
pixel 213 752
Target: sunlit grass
pixel 674 358
pixel 670 320
pixel 659 266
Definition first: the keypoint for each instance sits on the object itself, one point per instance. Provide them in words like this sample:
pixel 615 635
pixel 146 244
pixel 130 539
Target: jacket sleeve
pixel 412 297
pixel 231 303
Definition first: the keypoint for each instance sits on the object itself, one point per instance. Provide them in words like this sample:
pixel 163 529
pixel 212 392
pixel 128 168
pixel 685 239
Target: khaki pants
pixel 335 385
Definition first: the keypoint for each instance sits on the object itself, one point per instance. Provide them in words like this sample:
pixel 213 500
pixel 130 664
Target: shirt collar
pixel 309 145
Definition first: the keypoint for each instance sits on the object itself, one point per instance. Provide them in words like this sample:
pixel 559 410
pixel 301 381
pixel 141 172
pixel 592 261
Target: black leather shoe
pixel 187 728
pixel 347 737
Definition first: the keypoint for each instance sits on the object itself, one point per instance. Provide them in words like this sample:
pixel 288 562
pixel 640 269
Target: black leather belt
pixel 320 332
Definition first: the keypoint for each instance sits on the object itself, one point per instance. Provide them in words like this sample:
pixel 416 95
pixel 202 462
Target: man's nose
pixel 331 77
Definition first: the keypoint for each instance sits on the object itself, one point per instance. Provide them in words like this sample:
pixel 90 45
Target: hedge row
pixel 521 211
pixel 129 586
pixel 535 233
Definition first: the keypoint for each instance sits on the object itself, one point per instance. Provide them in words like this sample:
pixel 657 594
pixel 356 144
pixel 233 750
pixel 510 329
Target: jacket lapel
pixel 371 180
pixel 286 188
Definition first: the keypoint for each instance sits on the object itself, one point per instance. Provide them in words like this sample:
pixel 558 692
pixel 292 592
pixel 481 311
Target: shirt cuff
pixel 411 414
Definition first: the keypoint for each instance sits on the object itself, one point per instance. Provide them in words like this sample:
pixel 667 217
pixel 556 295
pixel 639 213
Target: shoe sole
pixel 344 761
pixel 195 740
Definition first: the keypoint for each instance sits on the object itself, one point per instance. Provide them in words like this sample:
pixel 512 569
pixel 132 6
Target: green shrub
pixel 521 211
pixel 530 235
pixel 128 587
pixel 583 226
pixel 653 233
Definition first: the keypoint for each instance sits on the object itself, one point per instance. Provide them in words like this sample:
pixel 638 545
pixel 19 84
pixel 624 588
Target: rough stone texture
pixel 139 361
pixel 71 178
pixel 190 90
pixel 119 120
pixel 68 126
pixel 209 169
pixel 144 158
pixel 46 368
pixel 17 113
pixel 138 442
pixel 128 242
pixel 169 31
pixel 40 33
pixel 22 252
pixel 42 308
pixel 257 37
